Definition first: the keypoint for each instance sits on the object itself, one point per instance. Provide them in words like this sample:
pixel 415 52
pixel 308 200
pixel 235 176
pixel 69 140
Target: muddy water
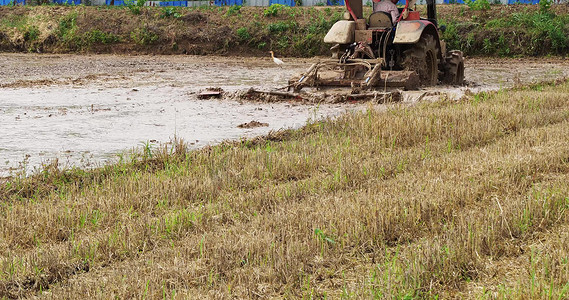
pixel 84 110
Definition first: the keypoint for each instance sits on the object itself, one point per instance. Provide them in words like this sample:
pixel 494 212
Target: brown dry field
pixel 451 199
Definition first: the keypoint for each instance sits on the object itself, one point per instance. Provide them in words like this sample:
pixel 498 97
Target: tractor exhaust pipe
pixel 356 9
pixel 432 11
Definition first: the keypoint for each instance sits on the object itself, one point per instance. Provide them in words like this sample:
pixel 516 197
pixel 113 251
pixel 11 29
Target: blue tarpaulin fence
pixel 174 3
pixel 341 2
pixel 283 2
pixel 523 1
pixel 115 3
pixel 228 2
pixel 162 3
pixel 12 2
pixel 335 2
pixel 69 2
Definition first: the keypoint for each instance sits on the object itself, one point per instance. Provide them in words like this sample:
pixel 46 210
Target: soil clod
pixel 210 93
pixel 252 124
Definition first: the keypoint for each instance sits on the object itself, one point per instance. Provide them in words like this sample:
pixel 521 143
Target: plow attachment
pixel 359 74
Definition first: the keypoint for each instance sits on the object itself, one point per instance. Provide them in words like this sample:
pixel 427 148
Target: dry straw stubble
pixel 437 199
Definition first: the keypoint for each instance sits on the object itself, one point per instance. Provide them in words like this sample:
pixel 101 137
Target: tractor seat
pixel 380 20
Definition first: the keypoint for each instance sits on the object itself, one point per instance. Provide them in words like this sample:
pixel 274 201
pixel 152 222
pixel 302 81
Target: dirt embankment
pixel 251 31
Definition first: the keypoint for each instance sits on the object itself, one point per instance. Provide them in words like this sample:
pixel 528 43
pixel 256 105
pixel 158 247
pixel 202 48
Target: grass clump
pixel 144 36
pixel 243 34
pixel 170 12
pixel 234 10
pixel 14 21
pixel 135 6
pixel 67 27
pixel 478 5
pixel 31 33
pixel 274 9
pixel 99 37
pixel 279 27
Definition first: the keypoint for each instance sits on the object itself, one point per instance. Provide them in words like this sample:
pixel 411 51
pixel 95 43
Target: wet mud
pixel 252 124
pixel 84 110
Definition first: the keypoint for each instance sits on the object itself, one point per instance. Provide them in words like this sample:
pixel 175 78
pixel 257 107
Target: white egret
pixel 276 60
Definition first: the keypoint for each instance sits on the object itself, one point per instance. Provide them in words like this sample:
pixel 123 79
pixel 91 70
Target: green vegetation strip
pixel 486 30
pixel 437 200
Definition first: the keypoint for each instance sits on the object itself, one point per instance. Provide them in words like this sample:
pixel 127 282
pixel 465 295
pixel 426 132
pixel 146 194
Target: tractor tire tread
pixel 453 71
pixel 415 59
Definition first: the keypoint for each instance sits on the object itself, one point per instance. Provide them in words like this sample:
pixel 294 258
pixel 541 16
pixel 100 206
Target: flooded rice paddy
pixel 86 110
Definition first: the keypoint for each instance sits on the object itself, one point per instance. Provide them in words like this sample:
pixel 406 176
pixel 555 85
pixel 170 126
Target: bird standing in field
pixel 276 60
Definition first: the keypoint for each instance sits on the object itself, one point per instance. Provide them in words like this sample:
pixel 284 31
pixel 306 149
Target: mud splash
pixel 84 110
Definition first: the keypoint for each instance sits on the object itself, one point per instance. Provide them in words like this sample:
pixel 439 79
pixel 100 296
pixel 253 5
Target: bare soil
pixel 108 71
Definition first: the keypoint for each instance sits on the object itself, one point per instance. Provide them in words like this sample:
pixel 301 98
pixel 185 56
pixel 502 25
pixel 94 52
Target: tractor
pixel 380 52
